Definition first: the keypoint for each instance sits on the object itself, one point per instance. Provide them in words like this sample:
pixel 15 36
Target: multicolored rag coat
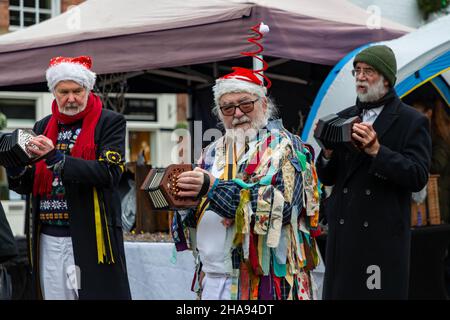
pixel 273 201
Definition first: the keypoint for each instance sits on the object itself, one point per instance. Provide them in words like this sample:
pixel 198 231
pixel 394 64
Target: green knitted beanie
pixel 382 58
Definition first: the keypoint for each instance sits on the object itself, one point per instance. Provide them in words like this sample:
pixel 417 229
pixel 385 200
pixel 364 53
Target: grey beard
pixel 255 125
pixel 72 105
pixel 374 92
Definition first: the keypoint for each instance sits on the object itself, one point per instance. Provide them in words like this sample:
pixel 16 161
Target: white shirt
pixel 371 115
pixel 211 233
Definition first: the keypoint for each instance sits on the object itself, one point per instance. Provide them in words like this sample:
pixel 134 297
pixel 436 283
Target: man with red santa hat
pixel 253 232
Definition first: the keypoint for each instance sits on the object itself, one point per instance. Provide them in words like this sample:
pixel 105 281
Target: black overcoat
pixel 8 248
pixel 80 177
pixel 368 211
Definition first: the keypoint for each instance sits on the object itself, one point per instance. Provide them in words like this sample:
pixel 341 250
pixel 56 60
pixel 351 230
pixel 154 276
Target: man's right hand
pixel 40 145
pixel 191 182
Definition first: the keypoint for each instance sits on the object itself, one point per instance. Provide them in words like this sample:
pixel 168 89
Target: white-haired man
pixel 254 228
pixel 75 220
pixel 368 211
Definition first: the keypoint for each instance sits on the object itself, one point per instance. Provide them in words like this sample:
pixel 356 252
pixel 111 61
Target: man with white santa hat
pixel 75 230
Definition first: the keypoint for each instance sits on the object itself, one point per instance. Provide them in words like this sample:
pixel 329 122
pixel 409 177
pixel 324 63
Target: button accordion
pixel 333 132
pixel 13 151
pixel 161 185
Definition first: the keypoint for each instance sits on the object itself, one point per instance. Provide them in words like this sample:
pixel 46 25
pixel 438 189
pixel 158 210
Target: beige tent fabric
pixel 136 35
pixel 95 19
pixel 332 10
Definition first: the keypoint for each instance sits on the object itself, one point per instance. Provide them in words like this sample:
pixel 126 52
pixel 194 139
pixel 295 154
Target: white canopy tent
pixel 422 56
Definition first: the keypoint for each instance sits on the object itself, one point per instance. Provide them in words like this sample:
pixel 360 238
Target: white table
pixel 153 276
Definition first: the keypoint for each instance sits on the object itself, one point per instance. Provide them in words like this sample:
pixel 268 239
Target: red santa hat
pixel 243 79
pixel 77 69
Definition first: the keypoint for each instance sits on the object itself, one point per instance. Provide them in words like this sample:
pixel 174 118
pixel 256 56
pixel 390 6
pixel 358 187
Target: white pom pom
pixel 263 28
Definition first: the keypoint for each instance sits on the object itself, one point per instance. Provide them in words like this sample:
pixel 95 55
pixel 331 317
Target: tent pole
pixel 257 65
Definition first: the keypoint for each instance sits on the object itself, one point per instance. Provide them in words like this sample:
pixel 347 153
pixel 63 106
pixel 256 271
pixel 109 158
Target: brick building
pixel 17 14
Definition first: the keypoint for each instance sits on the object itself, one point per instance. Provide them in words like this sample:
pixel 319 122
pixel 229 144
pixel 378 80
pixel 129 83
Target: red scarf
pixel 84 147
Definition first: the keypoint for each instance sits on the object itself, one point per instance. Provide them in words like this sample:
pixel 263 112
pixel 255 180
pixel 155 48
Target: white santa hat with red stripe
pixel 76 69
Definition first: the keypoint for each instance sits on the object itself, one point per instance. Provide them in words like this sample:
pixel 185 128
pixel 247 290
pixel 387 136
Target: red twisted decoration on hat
pixel 259 29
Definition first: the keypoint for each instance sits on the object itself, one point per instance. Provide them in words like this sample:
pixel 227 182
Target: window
pixel 139 144
pixel 18 108
pixel 24 13
pixel 20 113
pixel 140 109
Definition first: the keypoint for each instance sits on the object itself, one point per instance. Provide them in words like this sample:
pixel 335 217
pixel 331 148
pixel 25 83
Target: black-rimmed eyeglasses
pixel 367 71
pixel 245 107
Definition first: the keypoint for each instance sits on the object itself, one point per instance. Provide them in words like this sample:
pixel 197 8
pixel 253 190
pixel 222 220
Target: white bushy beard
pixel 239 133
pixel 374 92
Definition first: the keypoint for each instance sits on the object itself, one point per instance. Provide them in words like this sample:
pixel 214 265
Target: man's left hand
pixel 191 182
pixel 367 137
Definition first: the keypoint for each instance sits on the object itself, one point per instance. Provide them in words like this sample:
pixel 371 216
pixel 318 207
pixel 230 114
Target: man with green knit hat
pixel 368 211
pixel 381 58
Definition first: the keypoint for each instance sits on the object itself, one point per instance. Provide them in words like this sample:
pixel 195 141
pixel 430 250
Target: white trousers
pixel 58 274
pixel 216 287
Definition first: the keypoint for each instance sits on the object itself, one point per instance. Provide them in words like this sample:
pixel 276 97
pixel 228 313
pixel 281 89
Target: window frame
pixel 55 9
